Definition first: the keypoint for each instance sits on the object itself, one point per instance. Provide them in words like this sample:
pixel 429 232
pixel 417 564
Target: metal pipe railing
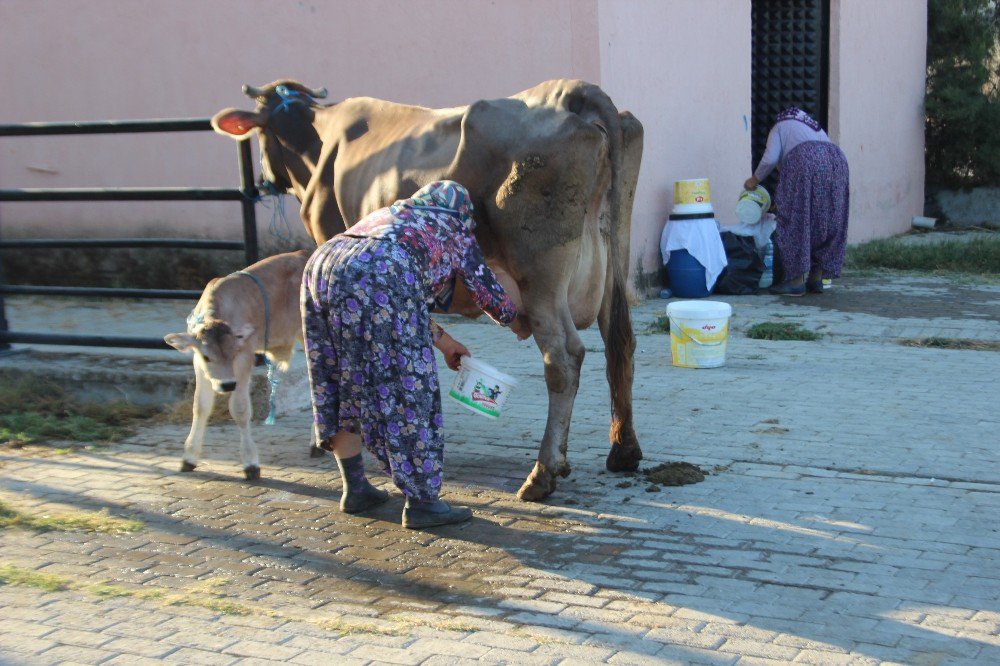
pixel 246 194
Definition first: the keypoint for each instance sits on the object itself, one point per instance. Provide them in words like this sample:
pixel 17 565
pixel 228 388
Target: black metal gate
pixel 790 63
pixel 246 194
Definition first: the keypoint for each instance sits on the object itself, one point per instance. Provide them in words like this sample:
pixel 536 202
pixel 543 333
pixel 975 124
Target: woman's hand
pixel 751 183
pixel 453 351
pixel 521 327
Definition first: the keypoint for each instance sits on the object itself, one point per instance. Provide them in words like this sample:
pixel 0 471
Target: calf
pixel 238 316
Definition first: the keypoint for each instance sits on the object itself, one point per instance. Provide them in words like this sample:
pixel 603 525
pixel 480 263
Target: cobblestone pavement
pixel 850 515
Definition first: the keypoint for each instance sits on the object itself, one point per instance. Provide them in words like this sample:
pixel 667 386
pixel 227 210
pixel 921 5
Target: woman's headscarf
pixel 795 113
pixel 442 196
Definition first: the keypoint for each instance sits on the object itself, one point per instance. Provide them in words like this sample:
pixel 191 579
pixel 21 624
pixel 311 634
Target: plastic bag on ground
pixel 741 276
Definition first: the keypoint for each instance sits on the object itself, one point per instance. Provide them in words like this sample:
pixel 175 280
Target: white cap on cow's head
pixel 446 194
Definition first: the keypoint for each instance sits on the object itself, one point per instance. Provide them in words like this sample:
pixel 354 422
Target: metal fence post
pixel 249 189
pixel 4 345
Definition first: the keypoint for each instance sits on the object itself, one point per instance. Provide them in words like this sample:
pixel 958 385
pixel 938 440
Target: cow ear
pixel 182 342
pixel 235 123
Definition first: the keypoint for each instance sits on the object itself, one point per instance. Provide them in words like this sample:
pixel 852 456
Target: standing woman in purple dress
pixel 366 299
pixel 813 201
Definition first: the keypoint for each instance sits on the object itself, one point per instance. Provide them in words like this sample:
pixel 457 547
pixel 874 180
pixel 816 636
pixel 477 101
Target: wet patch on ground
pixel 923 297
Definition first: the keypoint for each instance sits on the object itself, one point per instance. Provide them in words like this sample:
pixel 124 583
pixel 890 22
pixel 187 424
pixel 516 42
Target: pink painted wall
pixel 683 67
pixel 684 70
pixel 877 84
pixel 115 59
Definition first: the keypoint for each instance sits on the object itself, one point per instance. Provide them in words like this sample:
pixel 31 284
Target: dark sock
pixel 352 471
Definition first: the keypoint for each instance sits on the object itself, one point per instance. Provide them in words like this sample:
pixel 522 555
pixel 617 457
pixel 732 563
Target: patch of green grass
pixel 780 330
pixel 34 410
pixel 82 521
pixel 449 625
pixel 11 575
pixel 223 606
pixel 951 343
pixel 106 591
pixel 659 325
pixel 339 626
pixel 977 256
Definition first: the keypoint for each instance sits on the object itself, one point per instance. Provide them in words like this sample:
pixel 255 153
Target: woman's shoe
pixel 416 517
pixel 788 289
pixel 369 498
pixel 815 287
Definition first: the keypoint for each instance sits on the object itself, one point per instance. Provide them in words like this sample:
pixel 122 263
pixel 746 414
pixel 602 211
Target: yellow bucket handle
pixel 699 342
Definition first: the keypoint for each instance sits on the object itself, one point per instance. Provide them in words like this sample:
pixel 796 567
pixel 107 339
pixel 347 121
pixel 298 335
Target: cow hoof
pixel 624 458
pixel 316 452
pixel 539 485
pixel 187 467
pixel 252 472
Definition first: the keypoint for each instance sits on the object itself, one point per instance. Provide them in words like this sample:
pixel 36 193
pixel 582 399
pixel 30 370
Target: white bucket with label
pixel 699 331
pixel 481 388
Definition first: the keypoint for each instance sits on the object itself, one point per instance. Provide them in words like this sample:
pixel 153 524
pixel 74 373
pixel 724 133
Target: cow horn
pixel 318 93
pixel 253 91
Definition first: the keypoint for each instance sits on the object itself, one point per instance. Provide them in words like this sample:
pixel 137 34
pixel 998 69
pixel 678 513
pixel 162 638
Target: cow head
pixel 215 346
pixel 283 119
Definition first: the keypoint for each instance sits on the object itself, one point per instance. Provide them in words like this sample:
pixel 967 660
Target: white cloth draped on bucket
pixel 700 237
pixel 760 232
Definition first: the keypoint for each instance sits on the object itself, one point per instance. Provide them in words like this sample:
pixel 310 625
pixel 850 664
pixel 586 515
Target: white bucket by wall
pixel 480 387
pixel 699 331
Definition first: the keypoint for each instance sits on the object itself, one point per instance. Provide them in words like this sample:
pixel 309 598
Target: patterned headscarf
pixel 441 195
pixel 795 113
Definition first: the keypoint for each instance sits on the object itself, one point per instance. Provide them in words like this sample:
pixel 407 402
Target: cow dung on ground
pixel 674 474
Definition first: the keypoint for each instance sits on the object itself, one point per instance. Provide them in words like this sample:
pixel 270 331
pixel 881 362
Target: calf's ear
pixel 236 123
pixel 182 342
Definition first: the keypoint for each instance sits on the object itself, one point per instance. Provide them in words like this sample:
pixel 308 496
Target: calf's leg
pixel 241 410
pixel 201 409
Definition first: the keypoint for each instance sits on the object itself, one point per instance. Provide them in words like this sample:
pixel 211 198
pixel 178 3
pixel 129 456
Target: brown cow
pixel 252 311
pixel 552 172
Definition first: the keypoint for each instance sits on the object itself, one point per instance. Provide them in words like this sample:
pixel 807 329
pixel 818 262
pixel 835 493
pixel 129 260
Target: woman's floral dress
pixel 366 298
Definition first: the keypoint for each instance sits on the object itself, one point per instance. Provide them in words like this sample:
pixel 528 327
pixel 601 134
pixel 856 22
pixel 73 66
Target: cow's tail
pixel 625 134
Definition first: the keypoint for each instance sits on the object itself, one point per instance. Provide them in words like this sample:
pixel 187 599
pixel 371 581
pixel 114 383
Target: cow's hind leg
pixel 562 352
pixel 201 409
pixel 241 410
pixel 615 323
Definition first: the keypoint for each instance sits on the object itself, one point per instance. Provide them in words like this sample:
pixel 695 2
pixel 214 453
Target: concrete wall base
pixel 975 207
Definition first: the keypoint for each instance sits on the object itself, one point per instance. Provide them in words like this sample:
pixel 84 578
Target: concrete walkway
pixel 850 514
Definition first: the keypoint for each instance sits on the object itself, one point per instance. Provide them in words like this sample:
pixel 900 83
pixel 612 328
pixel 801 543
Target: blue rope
pixel 289 97
pixel 279 226
pixel 271 378
pixel 272 402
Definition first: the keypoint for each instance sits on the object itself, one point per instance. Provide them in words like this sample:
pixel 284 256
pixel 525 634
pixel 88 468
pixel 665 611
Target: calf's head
pixel 216 347
pixel 283 119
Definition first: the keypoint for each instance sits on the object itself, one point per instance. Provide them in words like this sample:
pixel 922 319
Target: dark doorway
pixel 790 64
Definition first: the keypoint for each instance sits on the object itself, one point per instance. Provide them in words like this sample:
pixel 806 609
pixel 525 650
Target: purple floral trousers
pixel 372 369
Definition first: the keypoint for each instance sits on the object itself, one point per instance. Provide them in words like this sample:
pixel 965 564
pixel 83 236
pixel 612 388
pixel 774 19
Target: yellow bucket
pixel 692 196
pixel 752 204
pixel 699 331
